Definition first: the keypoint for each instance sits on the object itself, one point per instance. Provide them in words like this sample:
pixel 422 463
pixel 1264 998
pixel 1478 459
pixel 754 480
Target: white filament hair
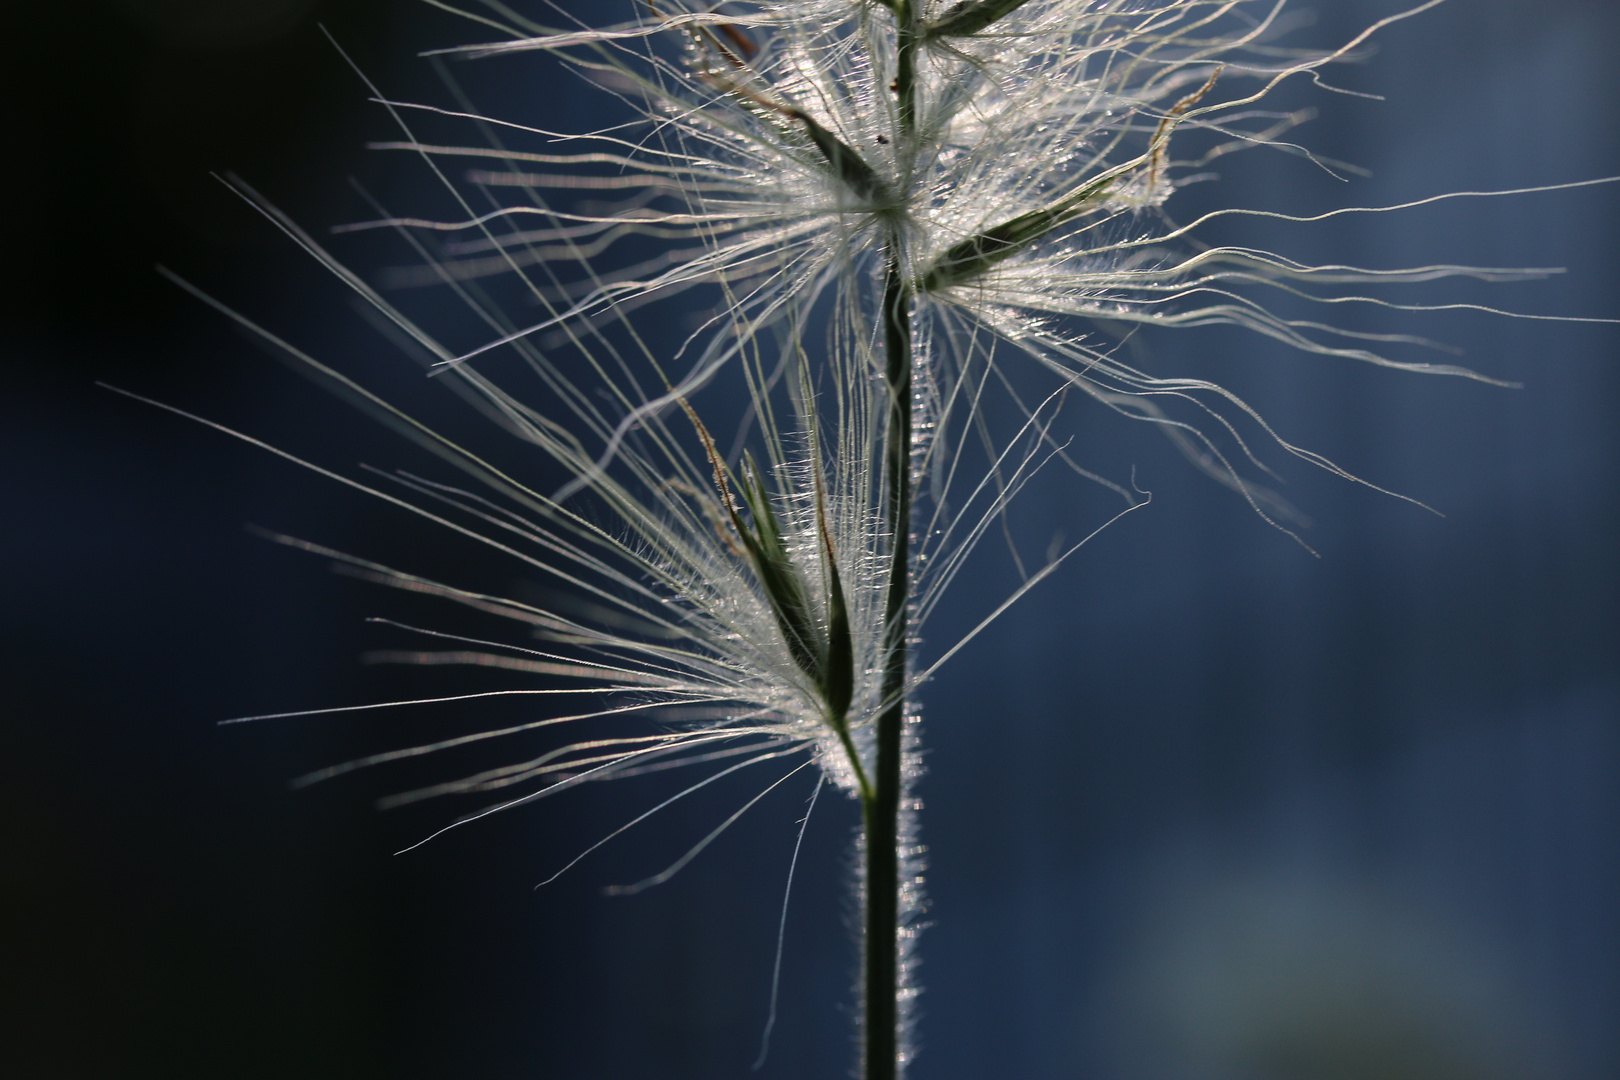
pixel 761 176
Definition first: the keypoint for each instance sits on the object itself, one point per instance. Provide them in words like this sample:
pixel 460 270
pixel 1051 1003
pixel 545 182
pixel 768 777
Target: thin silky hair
pixel 886 227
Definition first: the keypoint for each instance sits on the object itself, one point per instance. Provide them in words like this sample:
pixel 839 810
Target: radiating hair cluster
pixel 777 174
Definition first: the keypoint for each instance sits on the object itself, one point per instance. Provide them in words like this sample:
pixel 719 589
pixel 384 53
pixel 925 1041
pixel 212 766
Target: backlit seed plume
pixel 1022 187
pixel 784 178
pixel 760 361
pixel 1006 166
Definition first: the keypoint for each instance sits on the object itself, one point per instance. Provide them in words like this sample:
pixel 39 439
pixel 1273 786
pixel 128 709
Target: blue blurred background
pixel 1202 806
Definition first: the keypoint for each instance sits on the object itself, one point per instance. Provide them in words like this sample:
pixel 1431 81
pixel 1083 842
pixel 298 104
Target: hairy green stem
pixel 881 812
pixel 881 806
pixel 905 73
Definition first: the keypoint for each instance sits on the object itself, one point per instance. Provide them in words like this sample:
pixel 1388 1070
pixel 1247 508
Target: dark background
pixel 1204 805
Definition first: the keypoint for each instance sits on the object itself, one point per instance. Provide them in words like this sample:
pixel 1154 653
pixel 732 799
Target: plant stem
pixel 881 812
pixel 881 809
pixel 905 74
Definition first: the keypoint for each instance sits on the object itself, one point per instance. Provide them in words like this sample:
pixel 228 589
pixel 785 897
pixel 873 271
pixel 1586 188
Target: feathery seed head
pixel 1018 181
pixel 1003 167
pixel 876 202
